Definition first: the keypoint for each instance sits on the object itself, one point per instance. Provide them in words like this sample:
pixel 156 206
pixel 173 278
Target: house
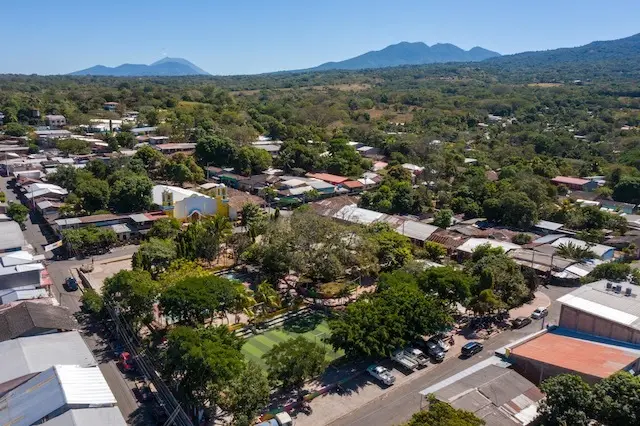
pixel 600 250
pixel 330 206
pixel 32 319
pixel 575 183
pixel 321 186
pixel 633 220
pixel 368 183
pixel 557 351
pixel 416 170
pixel 125 226
pixel 144 130
pixel 354 214
pixel 55 121
pixel 39 191
pixel 379 165
pixel 237 200
pixel 12 237
pixel 327 177
pixel 493 392
pixel 370 152
pixel 417 232
pixel 55 391
pixel 450 240
pixel 467 248
pixel 110 106
pixel 48 137
pixel 540 262
pixel 102 416
pixel 187 204
pixel 48 208
pixel 353 185
pixel 25 357
pixel 272 148
pixel 172 148
pixel 547 227
pixel 158 140
pixel 617 206
pixel 604 309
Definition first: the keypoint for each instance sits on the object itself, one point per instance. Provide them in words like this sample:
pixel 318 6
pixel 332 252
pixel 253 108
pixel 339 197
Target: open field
pixel 312 328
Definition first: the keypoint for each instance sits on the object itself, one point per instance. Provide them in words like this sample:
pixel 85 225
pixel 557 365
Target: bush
pixel 521 239
pixel 92 302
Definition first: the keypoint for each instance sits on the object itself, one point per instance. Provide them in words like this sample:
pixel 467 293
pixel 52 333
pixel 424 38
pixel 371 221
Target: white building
pixel 187 204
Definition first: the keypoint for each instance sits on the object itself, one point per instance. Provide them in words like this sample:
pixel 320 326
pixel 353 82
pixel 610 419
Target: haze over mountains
pixel 406 53
pixel 168 67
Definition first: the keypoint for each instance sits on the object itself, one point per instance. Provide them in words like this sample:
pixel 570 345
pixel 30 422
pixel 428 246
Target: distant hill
pixel 167 67
pixel 406 53
pixel 598 51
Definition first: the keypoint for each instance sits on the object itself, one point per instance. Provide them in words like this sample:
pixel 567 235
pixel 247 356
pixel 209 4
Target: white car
pixel 540 312
pixel 382 374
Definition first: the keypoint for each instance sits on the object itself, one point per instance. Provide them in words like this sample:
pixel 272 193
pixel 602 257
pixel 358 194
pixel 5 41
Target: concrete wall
pixel 585 322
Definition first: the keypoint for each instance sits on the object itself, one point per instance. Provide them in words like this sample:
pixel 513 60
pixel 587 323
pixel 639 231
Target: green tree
pixel 440 413
pixel 15 129
pixel 202 363
pixel 151 158
pixel 133 293
pixel 502 275
pixel 194 299
pixel 130 192
pixel 434 251
pixel 73 146
pixel 393 250
pixel 576 252
pixel 154 255
pixel 568 401
pixel 92 302
pixel 521 239
pixel 449 284
pixel 294 361
pixel 17 212
pixel 376 325
pixel 245 395
pixel 166 229
pixel 627 190
pixel 616 399
pixel 89 240
pixel 126 139
pixel 202 239
pixel 180 269
pixel 267 297
pixel 442 218
pixel 512 209
pixel 94 194
pixel 613 271
pixel 97 168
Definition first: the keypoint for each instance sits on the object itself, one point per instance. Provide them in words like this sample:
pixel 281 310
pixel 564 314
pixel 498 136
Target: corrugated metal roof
pixel 552 226
pixel 104 416
pixel 11 236
pixel 55 388
pixel 27 355
pixel 358 215
pixel 472 243
pixel 598 249
pixel 416 230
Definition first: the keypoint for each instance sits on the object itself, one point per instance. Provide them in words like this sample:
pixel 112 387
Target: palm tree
pixel 245 302
pixel 576 252
pixel 267 296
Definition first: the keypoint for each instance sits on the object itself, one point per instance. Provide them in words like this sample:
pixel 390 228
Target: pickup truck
pixel 382 374
pixel 404 360
pixel 417 355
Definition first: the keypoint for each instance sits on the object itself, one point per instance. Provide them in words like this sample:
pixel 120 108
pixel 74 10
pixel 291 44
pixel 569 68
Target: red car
pixel 126 361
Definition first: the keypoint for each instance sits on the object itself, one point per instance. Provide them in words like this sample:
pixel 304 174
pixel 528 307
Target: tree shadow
pixel 304 324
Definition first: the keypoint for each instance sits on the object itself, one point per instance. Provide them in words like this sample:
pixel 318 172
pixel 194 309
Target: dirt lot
pixel 105 269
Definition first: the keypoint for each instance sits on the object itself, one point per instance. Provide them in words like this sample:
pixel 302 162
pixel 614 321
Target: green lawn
pixel 258 345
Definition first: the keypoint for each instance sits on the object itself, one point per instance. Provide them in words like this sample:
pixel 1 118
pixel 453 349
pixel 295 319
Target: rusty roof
pixel 581 356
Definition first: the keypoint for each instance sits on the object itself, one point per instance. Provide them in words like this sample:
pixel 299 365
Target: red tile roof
pixel 569 180
pixel 327 177
pixel 352 184
pixel 576 355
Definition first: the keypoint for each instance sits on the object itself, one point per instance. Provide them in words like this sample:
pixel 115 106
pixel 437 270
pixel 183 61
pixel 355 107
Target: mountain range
pixel 406 53
pixel 169 67
pixel 626 50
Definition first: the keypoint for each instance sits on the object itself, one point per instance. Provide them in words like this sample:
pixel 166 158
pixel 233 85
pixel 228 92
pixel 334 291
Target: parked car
pixel 418 355
pixel 540 312
pixel 520 322
pixel 440 341
pixel 70 284
pixel 471 348
pixel 382 374
pixel 434 350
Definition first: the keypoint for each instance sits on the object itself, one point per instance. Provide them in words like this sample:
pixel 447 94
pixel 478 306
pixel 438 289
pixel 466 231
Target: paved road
pixel 38 235
pixel 399 404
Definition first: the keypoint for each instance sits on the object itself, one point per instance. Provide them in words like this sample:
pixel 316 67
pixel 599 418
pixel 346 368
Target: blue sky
pixel 254 36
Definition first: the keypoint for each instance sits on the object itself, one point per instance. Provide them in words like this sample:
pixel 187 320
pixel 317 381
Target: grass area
pixel 314 328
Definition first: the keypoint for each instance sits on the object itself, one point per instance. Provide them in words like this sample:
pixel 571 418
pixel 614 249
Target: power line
pixel 175 414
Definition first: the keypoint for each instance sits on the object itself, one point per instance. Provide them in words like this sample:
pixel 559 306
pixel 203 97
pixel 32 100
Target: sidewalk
pixel 540 300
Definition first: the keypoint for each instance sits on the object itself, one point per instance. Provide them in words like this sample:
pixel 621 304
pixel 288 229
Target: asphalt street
pixel 38 235
pixel 399 404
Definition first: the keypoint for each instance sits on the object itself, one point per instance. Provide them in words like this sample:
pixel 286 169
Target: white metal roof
pixel 355 214
pixel 28 355
pixel 16 258
pixel 472 243
pixel 53 389
pixel 551 226
pixel 598 249
pixel 11 236
pixel 597 309
pixel 103 416
pixel 416 230
pixel 412 167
